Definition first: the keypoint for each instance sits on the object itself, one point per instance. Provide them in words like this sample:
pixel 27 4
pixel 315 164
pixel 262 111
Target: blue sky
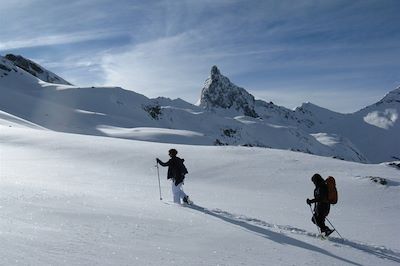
pixel 341 55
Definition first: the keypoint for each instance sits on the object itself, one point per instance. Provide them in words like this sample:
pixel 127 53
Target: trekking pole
pixel 159 184
pixel 334 228
pixel 315 221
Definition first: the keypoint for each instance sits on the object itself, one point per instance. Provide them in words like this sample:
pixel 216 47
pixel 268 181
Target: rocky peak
pixel 220 93
pixel 35 69
pixel 215 73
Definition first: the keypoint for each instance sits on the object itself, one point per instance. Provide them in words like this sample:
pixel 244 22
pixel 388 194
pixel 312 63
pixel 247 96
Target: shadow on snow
pixel 259 227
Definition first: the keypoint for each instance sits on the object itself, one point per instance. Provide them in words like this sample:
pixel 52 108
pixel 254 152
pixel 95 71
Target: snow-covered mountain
pixel 373 130
pixel 35 69
pixel 226 115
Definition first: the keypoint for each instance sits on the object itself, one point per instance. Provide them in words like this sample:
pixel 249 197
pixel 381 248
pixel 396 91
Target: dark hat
pixel 317 179
pixel 173 152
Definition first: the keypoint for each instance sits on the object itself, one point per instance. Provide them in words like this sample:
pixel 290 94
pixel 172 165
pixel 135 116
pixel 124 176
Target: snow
pixel 70 199
pixel 34 69
pixel 13 121
pixel 153 134
pixel 385 119
pixel 339 145
pixel 227 115
pixel 79 186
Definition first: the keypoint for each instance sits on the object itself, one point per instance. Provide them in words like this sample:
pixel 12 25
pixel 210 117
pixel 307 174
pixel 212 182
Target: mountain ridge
pixel 35 69
pixel 227 115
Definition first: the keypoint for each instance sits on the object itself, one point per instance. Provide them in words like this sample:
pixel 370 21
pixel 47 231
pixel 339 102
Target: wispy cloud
pixel 299 48
pixel 169 66
pixel 262 52
pixel 58 39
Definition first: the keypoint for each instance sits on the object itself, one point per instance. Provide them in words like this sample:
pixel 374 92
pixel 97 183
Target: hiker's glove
pixel 309 202
pixel 158 160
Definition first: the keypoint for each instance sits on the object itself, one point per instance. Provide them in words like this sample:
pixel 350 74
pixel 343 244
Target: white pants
pixel 177 192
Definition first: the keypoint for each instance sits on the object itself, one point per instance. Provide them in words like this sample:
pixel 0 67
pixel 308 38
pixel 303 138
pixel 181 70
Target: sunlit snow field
pixel 69 199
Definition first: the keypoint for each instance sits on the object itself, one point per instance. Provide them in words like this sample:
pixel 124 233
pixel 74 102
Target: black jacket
pixel 176 169
pixel 321 199
pixel 321 194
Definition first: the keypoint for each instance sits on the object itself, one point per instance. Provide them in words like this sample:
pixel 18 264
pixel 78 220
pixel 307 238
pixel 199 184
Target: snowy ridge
pixel 391 97
pixel 6 67
pixel 227 115
pixel 35 69
pixel 373 131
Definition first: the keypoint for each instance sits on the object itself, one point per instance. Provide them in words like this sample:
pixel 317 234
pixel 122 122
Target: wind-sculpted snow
pixel 155 134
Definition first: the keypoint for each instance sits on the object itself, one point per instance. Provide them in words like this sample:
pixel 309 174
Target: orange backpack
pixel 332 191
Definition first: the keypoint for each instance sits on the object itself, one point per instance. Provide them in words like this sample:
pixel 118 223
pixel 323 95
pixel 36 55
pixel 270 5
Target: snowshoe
pixel 329 232
pixel 186 200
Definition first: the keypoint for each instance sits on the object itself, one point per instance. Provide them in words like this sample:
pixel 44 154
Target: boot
pixel 187 200
pixel 328 231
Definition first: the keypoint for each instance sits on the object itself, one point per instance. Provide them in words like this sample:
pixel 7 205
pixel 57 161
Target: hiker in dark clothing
pixel 176 172
pixel 322 206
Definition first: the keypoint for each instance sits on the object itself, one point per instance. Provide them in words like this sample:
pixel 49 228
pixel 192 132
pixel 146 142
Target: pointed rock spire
pixel 220 93
pixel 215 72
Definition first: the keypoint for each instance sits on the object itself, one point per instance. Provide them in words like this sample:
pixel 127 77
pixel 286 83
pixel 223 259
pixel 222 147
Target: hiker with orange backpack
pixel 322 204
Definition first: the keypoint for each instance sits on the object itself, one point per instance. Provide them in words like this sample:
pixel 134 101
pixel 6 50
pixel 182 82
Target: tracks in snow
pixel 259 226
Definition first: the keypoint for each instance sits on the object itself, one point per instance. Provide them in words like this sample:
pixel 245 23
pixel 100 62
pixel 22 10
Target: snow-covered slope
pixel 69 199
pixel 374 130
pixel 227 115
pixel 36 70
